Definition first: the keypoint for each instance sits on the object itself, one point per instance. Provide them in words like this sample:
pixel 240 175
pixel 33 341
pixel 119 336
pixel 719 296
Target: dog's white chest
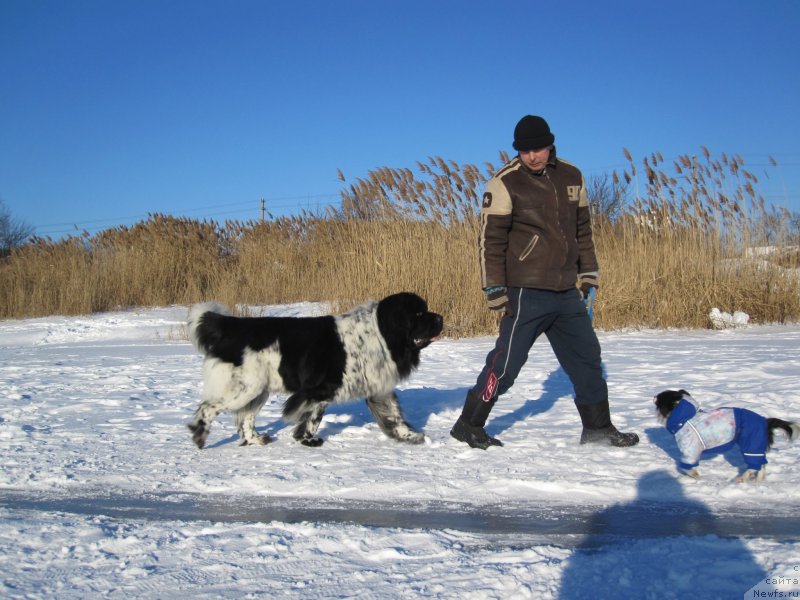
pixel 369 368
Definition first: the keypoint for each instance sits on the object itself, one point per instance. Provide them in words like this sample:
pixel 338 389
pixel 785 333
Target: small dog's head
pixel 666 402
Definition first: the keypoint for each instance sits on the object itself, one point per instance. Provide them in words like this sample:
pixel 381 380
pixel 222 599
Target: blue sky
pixel 110 110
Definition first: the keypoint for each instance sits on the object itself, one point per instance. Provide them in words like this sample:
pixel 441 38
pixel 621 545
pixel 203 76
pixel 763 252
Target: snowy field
pixel 103 494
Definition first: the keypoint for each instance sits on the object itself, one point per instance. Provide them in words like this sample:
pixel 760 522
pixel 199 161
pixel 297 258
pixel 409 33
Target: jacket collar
pixel 684 411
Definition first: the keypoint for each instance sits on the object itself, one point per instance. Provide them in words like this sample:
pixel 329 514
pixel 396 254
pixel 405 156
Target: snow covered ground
pixel 103 494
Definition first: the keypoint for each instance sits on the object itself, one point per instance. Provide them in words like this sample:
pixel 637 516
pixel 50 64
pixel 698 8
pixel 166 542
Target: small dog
pixel 696 430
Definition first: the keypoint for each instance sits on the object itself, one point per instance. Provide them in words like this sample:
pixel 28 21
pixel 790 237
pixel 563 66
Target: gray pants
pixel 562 317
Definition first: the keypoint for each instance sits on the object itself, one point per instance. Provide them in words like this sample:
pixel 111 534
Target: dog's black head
pixel 667 400
pixel 407 326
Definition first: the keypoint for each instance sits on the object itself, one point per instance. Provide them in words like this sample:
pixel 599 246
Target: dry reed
pixel 680 246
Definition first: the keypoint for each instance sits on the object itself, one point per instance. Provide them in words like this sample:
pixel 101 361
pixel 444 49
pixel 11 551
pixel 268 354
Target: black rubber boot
pixel 469 426
pixel 598 429
pixel 609 435
pixel 476 411
pixel 474 435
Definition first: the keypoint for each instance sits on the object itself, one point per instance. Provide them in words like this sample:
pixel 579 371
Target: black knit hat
pixel 532 133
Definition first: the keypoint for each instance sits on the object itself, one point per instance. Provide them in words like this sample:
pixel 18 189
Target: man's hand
pixel 496 297
pixel 586 287
pixel 587 282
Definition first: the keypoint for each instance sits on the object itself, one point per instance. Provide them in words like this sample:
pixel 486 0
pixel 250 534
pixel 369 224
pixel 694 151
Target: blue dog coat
pixel 696 430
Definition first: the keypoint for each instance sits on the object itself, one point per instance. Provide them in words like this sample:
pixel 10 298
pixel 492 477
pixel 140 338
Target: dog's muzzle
pixel 424 342
pixel 435 326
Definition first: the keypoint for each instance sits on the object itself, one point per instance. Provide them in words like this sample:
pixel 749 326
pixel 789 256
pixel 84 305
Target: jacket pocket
pixel 529 248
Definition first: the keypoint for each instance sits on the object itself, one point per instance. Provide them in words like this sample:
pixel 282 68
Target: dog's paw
pixel 415 437
pixel 199 433
pixel 259 440
pixel 752 475
pixel 313 442
pixel 693 473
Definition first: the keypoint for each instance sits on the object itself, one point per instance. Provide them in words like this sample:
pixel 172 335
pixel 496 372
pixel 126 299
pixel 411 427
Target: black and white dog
pixel 363 353
pixel 696 431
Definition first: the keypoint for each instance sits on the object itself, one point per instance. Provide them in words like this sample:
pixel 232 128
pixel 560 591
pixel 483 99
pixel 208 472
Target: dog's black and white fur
pixel 363 353
pixel 696 430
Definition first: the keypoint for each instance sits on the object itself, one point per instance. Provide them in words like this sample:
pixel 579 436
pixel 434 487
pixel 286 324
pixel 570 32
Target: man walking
pixel 535 245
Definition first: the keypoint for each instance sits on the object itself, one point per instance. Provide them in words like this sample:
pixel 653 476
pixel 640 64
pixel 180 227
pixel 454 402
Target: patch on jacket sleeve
pixel 496 199
pixel 573 193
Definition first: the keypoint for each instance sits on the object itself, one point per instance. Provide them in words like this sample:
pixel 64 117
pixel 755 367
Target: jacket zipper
pixel 558 214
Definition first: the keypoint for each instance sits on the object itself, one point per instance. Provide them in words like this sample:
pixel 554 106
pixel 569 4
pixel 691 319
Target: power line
pixel 283 202
pixel 251 206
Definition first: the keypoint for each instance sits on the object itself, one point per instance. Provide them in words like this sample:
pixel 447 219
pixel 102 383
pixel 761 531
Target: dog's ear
pixel 672 395
pixel 667 400
pixel 668 395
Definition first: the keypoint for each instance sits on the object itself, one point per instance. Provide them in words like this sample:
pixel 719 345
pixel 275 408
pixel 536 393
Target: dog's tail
pixel 198 325
pixel 792 430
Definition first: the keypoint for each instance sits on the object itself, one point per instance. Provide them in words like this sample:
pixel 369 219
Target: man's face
pixel 535 160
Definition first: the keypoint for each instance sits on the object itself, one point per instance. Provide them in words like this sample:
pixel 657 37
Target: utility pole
pixel 262 210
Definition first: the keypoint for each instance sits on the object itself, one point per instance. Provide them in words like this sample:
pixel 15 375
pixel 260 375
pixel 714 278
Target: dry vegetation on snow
pixel 673 241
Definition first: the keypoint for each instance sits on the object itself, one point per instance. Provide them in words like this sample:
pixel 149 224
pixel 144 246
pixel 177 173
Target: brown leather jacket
pixel 536 229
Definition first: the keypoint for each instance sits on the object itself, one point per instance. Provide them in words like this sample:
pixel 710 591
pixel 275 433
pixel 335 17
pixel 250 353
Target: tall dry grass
pixel 684 245
pixel 681 245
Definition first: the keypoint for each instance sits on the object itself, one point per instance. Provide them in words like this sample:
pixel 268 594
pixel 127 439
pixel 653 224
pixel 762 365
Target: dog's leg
pixel 309 420
pixel 389 417
pixel 203 417
pixel 225 387
pixel 245 419
pixel 693 473
pixel 752 475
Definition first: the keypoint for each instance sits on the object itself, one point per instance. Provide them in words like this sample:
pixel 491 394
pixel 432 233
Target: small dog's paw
pixel 693 473
pixel 752 475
